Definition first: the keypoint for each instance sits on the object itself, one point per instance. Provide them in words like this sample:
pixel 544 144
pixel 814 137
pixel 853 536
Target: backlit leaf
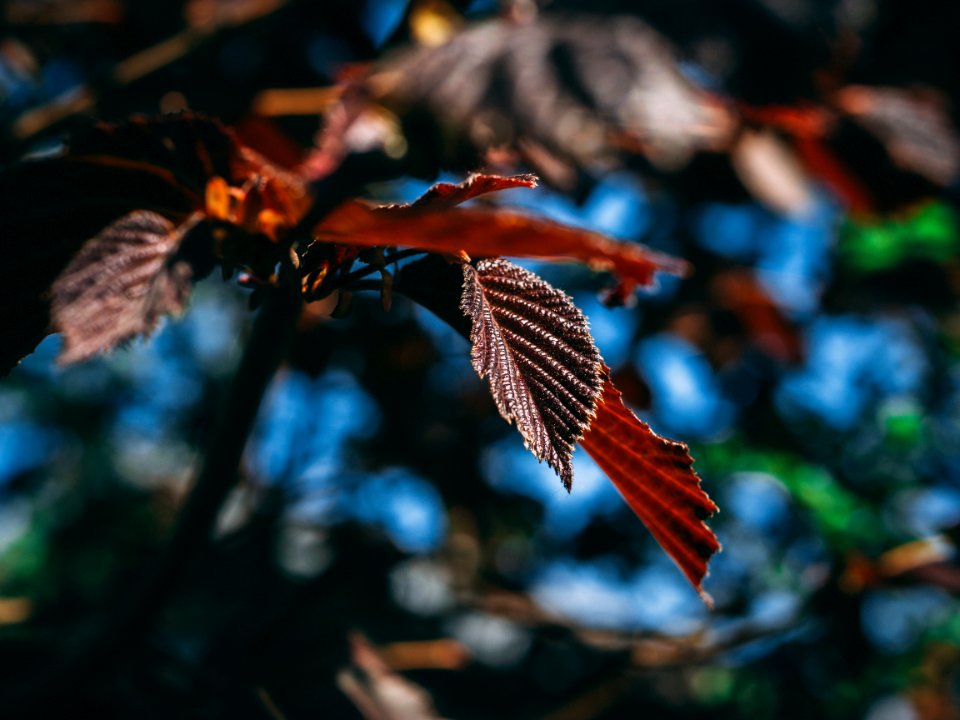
pixel 584 88
pixel 480 232
pixel 534 346
pixel 320 256
pixel 914 126
pixel 50 207
pixel 443 195
pixel 120 284
pixel 656 478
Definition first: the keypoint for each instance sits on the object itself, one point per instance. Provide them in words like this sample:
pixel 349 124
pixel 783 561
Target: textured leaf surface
pixel 656 478
pixel 120 284
pixel 486 233
pixel 49 208
pixel 534 346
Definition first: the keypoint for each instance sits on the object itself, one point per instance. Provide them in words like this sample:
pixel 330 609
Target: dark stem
pixel 265 349
pixel 361 285
pixel 437 285
pixel 350 278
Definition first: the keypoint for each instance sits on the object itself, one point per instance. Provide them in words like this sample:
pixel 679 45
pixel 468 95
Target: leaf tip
pixel 656 478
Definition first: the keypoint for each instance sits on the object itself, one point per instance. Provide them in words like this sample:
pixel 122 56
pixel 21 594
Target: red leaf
pixel 447 195
pixel 656 478
pixel 320 256
pixel 120 284
pixel 739 292
pixel 480 232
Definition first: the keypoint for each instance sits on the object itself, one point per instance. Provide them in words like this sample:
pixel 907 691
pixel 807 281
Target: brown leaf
pixel 535 347
pixel 120 284
pixel 584 87
pixel 914 126
pixel 772 173
pixel 446 195
pixel 481 232
pixel 656 478
pixel 50 207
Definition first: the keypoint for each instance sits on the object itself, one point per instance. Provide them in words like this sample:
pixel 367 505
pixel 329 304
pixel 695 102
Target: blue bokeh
pixel 852 361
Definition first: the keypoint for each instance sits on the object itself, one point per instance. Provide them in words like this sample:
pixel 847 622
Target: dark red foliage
pixel 656 478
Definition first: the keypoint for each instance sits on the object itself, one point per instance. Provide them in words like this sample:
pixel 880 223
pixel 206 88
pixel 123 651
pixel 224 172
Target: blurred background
pixel 391 550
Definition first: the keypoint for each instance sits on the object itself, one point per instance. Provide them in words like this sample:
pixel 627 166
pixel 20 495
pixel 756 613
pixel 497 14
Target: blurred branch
pixel 265 349
pixel 377 691
pixel 296 101
pixel 650 651
pixel 84 98
pixel 269 705
pixel 442 654
pixel 593 701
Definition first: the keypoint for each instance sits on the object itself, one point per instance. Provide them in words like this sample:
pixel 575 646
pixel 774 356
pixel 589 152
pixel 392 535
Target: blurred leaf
pixel 771 172
pixel 50 207
pixel 656 478
pixel 914 126
pixel 844 520
pixel 120 284
pixel 433 22
pixel 582 87
pixel 534 346
pixel 929 231
pixel 15 610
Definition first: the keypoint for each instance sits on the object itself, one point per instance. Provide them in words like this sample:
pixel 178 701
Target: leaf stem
pixel 361 285
pixel 350 278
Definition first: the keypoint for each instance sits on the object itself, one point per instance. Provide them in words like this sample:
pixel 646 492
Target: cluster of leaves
pixel 225 205
pixel 818 388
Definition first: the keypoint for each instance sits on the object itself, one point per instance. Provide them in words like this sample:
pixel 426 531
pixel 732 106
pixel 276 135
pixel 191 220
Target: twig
pixel 84 98
pixel 361 285
pixel 350 278
pixel 266 347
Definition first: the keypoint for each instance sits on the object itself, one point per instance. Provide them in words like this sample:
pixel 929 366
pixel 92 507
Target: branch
pixel 265 349
pixel 84 99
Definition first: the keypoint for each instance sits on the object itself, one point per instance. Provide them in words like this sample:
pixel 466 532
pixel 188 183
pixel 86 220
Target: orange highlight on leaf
pixel 218 201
